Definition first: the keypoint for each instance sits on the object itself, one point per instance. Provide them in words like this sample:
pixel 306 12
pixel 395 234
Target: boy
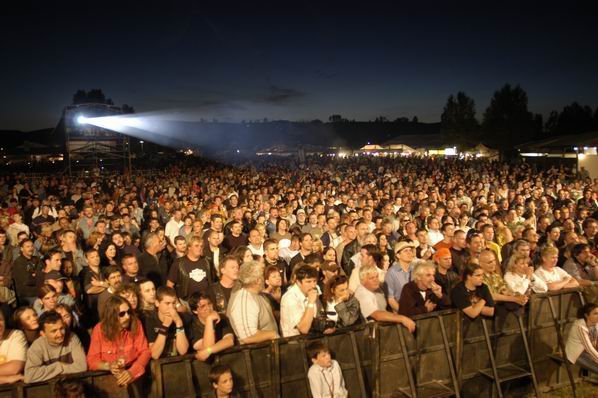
pixel 325 375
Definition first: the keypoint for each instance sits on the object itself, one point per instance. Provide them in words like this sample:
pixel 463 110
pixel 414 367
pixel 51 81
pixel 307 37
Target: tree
pixel 507 121
pixel 126 109
pixel 415 120
pixel 335 118
pixel 457 122
pixel 575 119
pixel 381 119
pixel 94 95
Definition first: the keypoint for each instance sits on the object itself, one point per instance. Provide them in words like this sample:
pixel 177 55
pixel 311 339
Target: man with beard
pixel 118 343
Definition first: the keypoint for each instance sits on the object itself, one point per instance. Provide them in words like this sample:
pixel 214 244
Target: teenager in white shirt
pixel 325 374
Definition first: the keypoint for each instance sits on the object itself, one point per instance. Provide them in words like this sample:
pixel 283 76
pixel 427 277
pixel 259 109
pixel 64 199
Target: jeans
pixel 587 362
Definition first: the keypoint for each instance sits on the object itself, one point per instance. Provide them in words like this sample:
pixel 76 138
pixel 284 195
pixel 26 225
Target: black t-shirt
pixel 461 297
pixel 221 329
pixel 152 325
pixel 190 276
pixel 220 296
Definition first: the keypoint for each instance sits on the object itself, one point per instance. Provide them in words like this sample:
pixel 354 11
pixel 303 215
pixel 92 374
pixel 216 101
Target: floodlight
pixel 81 119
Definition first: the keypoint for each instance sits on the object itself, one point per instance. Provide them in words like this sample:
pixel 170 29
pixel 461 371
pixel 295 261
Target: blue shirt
pixel 396 278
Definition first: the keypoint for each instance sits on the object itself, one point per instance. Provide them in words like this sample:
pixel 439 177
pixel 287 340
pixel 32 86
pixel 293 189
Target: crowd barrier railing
pixel 449 354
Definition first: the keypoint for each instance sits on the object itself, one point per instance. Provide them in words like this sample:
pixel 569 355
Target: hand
pixel 436 289
pixel 13 378
pixel 521 300
pixel 408 323
pixel 312 296
pixel 202 355
pixel 213 316
pixel 124 378
pixel 176 318
pixel 116 367
pixel 95 282
pixel 429 306
pixel 329 330
pixel 167 321
pixel 529 271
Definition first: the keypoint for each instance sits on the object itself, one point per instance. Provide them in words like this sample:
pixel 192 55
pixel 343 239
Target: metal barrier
pixel 448 354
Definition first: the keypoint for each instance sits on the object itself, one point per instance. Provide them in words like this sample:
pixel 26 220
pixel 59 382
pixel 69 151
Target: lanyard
pixel 329 385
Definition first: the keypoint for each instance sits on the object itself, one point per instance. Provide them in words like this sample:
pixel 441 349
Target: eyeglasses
pixel 121 314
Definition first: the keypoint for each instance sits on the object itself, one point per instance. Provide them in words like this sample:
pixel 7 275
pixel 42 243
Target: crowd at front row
pixel 124 308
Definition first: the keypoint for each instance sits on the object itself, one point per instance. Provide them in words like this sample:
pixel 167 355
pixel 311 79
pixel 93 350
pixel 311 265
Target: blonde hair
pixel 514 260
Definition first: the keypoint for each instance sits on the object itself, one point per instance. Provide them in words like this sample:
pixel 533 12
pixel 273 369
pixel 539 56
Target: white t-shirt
pixel 292 307
pixel 14 347
pixel 557 274
pixel 369 301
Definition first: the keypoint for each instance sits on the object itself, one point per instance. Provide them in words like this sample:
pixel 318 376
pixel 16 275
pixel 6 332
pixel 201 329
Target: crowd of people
pixel 107 272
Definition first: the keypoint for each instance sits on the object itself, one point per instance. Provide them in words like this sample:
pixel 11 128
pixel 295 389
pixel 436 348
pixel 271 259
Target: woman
pixel 187 229
pixel 243 254
pixel 582 344
pixel 128 291
pixel 72 323
pixel 329 254
pixel 109 256
pixel 520 276
pixel 384 246
pixel 341 307
pixel 471 295
pixel 282 230
pixel 13 353
pixel 94 241
pixel 273 290
pixel 47 299
pixel 26 320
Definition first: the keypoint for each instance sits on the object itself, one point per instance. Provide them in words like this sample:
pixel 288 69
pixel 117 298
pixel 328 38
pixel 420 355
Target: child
pixel 221 379
pixel 325 375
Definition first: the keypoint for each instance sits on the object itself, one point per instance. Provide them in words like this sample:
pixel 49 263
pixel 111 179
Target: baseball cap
pixel 54 275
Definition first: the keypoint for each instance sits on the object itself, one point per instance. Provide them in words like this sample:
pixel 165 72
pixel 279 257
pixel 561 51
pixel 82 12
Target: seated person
pixel 54 353
pixel 221 379
pixel 249 312
pixel 422 294
pixel 520 276
pixel 13 353
pixel 325 374
pixel 582 343
pixel 118 343
pixel 299 305
pixel 471 295
pixel 210 331
pixel 372 301
pixel 341 306
pixel 555 277
pixel 165 328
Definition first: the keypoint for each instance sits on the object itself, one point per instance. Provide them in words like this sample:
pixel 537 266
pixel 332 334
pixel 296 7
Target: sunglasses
pixel 121 314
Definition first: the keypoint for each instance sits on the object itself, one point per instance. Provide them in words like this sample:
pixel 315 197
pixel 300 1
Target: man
pixel 173 226
pixel 149 261
pixel 236 237
pixel 165 328
pixel 298 306
pixel 583 266
pixel 330 237
pixel 353 247
pixel 87 221
pixel 256 243
pixel 55 352
pixel 220 292
pixel 448 231
pixel 118 343
pixel 488 234
pixel 475 244
pixel 43 219
pixel 210 331
pixel 306 248
pixel 114 278
pixel 422 294
pixel 180 247
pixel 216 225
pixel 214 253
pixel 131 269
pixel 348 234
pixel 24 271
pixel 15 228
pixel 249 312
pixel 69 250
pixel 191 273
pixel 372 302
pixel 399 274
pixel 271 257
pixel 445 277
pixel 52 262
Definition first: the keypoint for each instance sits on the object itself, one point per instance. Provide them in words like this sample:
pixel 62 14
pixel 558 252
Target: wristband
pixel 209 350
pixel 179 330
pixel 163 331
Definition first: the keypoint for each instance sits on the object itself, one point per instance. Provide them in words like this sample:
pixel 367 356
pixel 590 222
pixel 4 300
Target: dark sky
pixel 296 67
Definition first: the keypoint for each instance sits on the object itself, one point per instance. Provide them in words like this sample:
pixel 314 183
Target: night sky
pixel 296 67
